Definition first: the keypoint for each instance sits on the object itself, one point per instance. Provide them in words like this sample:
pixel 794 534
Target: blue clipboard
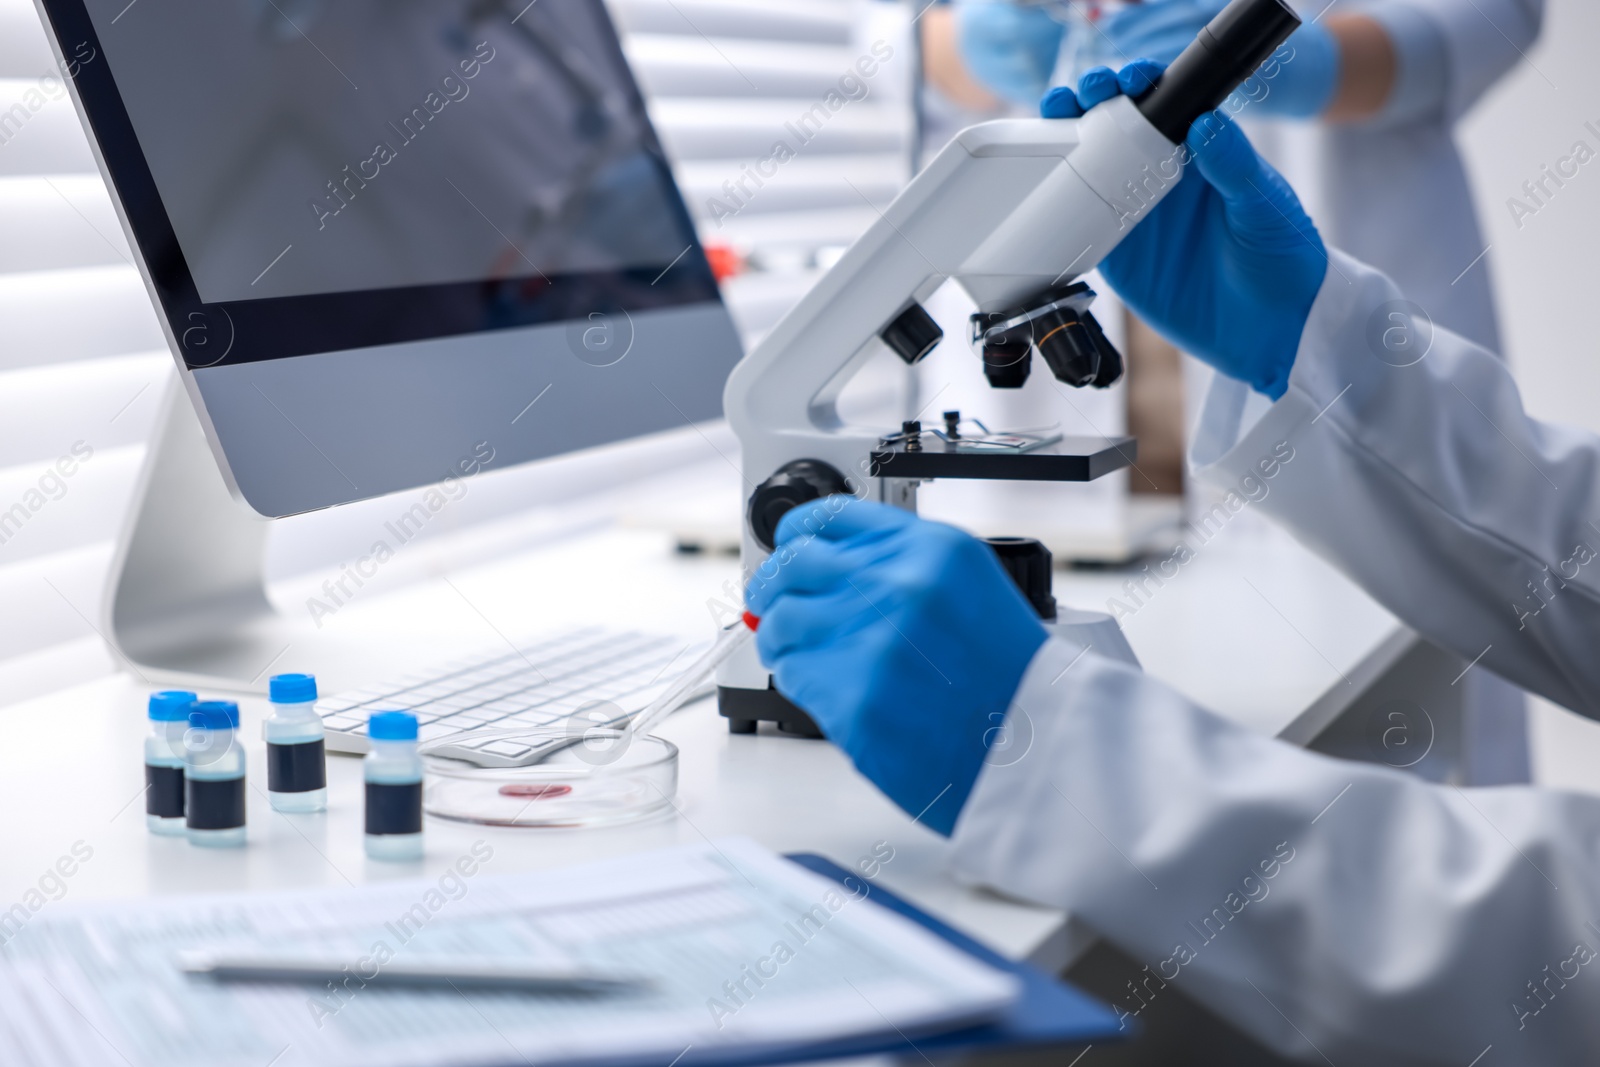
pixel 1048 1013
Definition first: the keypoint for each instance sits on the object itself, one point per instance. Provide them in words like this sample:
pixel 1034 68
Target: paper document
pixel 741 946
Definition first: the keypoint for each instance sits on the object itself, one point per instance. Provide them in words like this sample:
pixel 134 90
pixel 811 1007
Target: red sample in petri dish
pixel 535 792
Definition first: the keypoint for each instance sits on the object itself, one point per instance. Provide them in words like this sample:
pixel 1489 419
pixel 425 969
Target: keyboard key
pixel 495 690
pixel 457 701
pixel 483 675
pixel 430 692
pixel 509 749
pixel 531 718
pixel 472 716
pixel 501 707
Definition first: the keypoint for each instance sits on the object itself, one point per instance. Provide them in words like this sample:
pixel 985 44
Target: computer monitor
pixel 384 233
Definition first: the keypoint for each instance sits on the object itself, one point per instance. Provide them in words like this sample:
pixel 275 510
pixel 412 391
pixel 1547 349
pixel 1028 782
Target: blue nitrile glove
pixel 1228 265
pixel 1298 81
pixel 904 639
pixel 1008 47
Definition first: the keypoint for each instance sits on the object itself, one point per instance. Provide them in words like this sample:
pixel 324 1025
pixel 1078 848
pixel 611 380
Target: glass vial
pixel 163 761
pixel 214 775
pixel 393 773
pixel 297 769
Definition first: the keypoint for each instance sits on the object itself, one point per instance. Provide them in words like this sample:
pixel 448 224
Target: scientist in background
pixel 1358 110
pixel 1336 911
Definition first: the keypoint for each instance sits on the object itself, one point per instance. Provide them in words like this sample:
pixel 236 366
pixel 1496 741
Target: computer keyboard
pixel 539 684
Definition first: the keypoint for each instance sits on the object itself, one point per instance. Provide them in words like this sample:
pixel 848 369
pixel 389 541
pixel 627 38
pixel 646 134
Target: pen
pixel 460 972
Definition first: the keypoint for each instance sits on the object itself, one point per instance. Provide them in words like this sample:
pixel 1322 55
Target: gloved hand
pixel 903 638
pixel 1228 265
pixel 1008 47
pixel 1299 81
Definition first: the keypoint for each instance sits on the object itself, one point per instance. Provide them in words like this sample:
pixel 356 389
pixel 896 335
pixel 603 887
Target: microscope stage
pixel 1071 459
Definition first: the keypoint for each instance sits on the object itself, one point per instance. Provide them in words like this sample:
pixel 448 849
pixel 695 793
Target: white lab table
pixel 1253 626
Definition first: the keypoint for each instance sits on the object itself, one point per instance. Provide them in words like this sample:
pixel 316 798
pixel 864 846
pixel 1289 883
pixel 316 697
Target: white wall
pixel 1545 272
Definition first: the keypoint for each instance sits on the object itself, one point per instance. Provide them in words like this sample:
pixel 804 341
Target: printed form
pixel 741 946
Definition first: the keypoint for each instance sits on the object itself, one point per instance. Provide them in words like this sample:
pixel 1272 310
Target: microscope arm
pixel 1006 209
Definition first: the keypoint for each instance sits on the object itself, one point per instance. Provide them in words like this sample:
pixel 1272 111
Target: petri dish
pixel 604 779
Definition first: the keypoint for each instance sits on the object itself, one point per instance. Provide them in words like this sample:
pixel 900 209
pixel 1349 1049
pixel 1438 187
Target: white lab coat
pixel 1392 192
pixel 1340 911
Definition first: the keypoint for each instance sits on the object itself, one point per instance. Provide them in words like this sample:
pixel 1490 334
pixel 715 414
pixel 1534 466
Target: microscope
pixel 1014 212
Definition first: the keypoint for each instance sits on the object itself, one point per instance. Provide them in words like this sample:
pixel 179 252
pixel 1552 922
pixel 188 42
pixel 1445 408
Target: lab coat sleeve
pixel 1402 454
pixel 1483 39
pixel 1338 912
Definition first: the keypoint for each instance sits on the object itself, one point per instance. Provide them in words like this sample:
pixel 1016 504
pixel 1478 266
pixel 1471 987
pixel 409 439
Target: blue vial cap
pixel 392 726
pixel 215 715
pixel 171 705
pixel 292 689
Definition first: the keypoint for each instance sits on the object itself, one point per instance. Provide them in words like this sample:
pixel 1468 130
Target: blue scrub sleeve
pixel 1422 81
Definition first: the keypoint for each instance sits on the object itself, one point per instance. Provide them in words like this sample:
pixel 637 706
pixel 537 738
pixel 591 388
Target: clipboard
pixel 1049 1013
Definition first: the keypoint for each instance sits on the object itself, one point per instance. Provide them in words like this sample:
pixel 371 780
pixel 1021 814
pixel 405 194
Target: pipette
pixel 729 640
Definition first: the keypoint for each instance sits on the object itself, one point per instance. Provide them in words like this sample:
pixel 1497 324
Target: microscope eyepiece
pixel 1226 52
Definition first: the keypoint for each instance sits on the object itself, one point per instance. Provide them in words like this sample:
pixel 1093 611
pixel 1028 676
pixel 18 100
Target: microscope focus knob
pixel 912 334
pixel 1029 564
pixel 796 482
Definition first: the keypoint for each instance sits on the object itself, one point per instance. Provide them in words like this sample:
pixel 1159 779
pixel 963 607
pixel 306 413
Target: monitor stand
pixel 187 600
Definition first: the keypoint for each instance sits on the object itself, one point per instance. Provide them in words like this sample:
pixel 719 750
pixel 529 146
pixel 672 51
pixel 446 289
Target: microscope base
pixel 745 709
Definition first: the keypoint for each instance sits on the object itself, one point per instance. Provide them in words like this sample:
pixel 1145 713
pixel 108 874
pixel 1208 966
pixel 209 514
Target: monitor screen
pixel 344 173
